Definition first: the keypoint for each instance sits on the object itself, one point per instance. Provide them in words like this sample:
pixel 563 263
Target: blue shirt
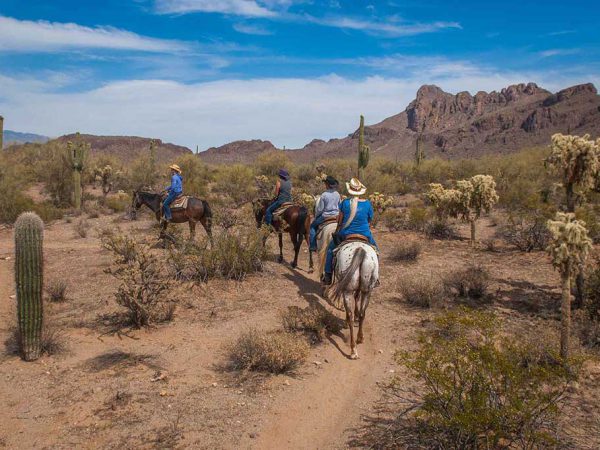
pixel 176 184
pixel 360 224
pixel 329 204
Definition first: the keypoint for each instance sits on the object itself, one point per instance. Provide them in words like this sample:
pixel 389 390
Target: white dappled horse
pixel 356 274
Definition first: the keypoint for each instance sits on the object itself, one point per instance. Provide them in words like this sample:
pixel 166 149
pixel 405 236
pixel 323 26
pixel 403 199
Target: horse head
pixel 259 207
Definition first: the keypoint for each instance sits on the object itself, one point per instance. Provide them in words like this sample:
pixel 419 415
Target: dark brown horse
pixel 196 211
pixel 298 220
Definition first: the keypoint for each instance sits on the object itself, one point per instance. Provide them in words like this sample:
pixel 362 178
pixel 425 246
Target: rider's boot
pixel 326 279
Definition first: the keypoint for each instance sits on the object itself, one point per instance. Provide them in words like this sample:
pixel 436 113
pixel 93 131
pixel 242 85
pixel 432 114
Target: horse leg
pixel 297 243
pixel 364 303
pixel 349 320
pixel 207 224
pixel 280 259
pixel 192 224
pixel 311 268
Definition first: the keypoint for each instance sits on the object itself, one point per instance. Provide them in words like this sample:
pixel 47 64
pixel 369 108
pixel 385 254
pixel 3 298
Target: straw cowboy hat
pixel 355 187
pixel 175 167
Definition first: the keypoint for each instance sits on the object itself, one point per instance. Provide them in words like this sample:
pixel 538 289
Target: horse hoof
pixel 280 260
pixel 359 340
pixel 294 265
pixel 354 355
pixel 311 270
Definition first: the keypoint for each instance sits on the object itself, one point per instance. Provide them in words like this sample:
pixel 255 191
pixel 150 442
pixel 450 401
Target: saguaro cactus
pixel 363 149
pixel 77 152
pixel 569 248
pixel 29 282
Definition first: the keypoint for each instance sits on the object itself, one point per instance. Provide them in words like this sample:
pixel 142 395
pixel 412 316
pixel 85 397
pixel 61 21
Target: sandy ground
pixel 167 387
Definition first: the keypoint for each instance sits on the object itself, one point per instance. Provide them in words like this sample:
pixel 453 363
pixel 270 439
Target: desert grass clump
pixel 439 229
pixel 480 388
pixel 314 320
pixel 272 352
pixel 527 232
pixel 471 282
pixel 405 251
pixel 81 228
pixel 56 290
pixel 422 291
pixel 569 248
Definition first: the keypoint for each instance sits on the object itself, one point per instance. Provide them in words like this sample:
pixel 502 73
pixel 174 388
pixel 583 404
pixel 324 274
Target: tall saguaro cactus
pixel 569 248
pixel 77 152
pixel 29 282
pixel 363 149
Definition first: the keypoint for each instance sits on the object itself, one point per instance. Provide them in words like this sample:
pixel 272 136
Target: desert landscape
pixel 462 307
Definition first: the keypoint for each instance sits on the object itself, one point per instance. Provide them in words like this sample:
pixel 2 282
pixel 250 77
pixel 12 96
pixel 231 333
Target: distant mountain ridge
pixel 453 126
pixel 16 137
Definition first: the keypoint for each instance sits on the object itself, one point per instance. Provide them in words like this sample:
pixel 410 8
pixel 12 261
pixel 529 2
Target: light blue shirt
pixel 329 204
pixel 176 184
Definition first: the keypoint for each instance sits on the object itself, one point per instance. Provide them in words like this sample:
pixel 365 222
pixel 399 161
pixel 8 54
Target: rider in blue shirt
pixel 355 218
pixel 173 191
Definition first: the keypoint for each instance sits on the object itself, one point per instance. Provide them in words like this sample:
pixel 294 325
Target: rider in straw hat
pixel 173 191
pixel 355 218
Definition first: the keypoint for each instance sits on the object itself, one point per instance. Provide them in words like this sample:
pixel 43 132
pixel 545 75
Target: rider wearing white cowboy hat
pixel 354 219
pixel 174 191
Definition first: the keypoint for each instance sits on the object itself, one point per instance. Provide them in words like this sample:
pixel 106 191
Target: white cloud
pixel 559 52
pixel 287 111
pixel 247 8
pixel 375 26
pixel 41 36
pixel 250 28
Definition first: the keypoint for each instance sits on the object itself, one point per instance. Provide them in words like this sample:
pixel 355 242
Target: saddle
pixel 279 211
pixel 327 221
pixel 180 202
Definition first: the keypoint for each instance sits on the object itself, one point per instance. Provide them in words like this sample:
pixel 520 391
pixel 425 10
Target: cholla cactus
pixel 576 159
pixel 263 185
pixel 467 201
pixel 363 149
pixel 105 176
pixel 304 199
pixel 77 153
pixel 569 248
pixel 380 202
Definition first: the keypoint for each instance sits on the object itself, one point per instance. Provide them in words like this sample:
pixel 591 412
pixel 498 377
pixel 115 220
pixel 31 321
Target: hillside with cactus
pixel 439 124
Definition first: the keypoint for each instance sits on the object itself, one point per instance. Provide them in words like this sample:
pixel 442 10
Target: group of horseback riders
pixel 353 215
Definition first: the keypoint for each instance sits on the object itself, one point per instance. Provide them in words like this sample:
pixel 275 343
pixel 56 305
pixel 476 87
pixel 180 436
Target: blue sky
pixel 206 72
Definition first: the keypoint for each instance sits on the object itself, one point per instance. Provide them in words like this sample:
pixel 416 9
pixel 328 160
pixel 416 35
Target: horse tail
pixel 207 213
pixel 302 216
pixel 341 286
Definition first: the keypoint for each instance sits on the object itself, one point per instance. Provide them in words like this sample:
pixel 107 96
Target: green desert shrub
pixel 118 202
pixel 123 246
pixel 273 352
pixel 236 182
pixel 196 175
pixel 425 291
pixel 269 163
pixel 480 388
pixel 144 291
pixel 314 320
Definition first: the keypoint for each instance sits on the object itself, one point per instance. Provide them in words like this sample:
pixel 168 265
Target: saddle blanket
pixel 326 223
pixel 180 202
pixel 279 211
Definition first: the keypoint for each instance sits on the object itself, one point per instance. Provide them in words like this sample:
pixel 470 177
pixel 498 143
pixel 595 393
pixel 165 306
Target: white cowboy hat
pixel 355 187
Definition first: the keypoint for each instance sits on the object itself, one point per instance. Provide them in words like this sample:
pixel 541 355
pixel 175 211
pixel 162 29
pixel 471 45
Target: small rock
pixel 163 393
pixel 253 435
pixel 12 297
pixel 287 383
pixel 380 351
pixel 392 371
pixel 317 363
pixel 214 384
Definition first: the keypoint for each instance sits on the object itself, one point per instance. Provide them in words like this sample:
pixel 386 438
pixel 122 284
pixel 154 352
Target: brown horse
pixel 298 221
pixel 196 211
